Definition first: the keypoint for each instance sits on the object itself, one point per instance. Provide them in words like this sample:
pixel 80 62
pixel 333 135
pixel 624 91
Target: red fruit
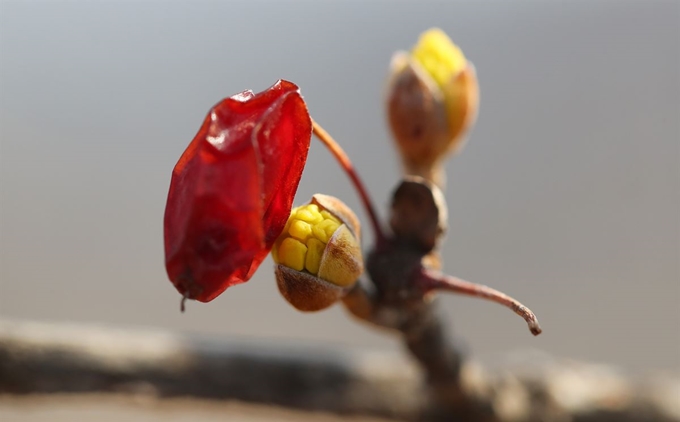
pixel 232 189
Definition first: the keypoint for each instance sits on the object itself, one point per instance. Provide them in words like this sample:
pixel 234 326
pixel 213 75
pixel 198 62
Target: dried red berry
pixel 232 189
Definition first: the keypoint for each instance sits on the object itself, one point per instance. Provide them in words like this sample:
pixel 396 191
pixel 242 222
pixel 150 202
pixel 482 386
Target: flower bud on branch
pixel 318 254
pixel 432 101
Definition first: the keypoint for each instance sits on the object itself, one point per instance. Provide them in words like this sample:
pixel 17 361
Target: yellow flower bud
pixel 318 255
pixel 440 57
pixel 432 101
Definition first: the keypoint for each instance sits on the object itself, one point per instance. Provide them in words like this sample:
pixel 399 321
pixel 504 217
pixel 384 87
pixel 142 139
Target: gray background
pixel 567 196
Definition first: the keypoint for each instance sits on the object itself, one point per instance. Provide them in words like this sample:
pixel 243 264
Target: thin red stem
pixel 346 165
pixel 434 280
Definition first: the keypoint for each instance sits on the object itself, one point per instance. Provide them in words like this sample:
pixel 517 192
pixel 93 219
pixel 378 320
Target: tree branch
pixel 58 358
pixel 436 281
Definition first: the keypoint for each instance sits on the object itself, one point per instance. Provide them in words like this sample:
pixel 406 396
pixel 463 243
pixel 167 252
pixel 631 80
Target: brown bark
pixel 57 358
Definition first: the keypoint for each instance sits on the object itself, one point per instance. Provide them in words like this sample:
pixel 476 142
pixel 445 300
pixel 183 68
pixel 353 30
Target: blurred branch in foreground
pixel 60 358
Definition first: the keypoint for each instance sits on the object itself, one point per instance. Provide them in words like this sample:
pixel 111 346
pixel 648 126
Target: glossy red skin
pixel 233 188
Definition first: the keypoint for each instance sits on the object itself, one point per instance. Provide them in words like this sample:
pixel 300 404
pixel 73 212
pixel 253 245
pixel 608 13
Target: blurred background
pixel 567 196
